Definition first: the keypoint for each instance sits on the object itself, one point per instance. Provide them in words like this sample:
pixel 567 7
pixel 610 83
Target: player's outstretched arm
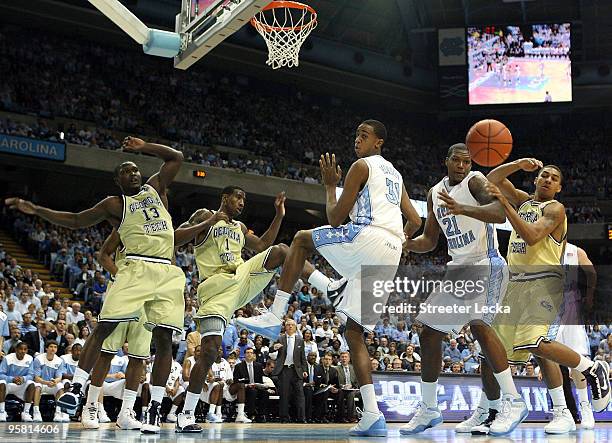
pixel 552 216
pixel 172 158
pixel 338 210
pixel 498 176
pixel 490 209
pixel 428 240
pixel 413 220
pixel 109 246
pixel 199 223
pixel 259 244
pixel 591 277
pixel 109 209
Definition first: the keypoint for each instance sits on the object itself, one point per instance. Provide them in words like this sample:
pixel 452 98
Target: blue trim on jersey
pixel 325 236
pixel 364 208
pixel 496 277
pixel 491 251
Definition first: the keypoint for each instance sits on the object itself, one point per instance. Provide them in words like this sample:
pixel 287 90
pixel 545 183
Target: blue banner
pixel 32 147
pixel 399 393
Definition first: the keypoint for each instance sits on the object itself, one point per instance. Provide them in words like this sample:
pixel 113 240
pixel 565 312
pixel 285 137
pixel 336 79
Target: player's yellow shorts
pixel 155 288
pixel 221 294
pixel 536 307
pixel 135 334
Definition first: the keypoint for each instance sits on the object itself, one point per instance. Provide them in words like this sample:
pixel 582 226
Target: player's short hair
pixel 555 167
pixel 21 343
pixel 380 130
pixel 456 147
pixel 229 190
pixel 50 342
pixel 118 168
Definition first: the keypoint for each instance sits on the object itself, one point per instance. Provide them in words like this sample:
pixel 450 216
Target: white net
pixel 284 27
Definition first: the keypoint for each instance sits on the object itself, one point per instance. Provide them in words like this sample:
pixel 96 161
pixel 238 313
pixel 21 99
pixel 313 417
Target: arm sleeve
pixel 61 370
pixel 34 369
pixel 4 330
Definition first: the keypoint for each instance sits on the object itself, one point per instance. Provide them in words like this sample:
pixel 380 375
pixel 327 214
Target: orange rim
pixel 289 5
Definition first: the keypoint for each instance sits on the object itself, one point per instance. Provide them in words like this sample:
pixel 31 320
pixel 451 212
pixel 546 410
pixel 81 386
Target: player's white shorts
pixel 226 393
pixel 349 247
pixel 466 306
pixel 50 390
pixel 114 389
pixel 574 337
pixel 17 390
pixel 205 395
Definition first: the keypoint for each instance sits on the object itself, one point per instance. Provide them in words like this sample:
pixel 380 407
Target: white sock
pixel 173 409
pixel 558 399
pixel 2 407
pixel 319 281
pixel 584 364
pixel 429 391
pixel 157 393
pixel 101 408
pixel 144 410
pixel 495 404
pixel 81 377
pixel 36 408
pixel 27 408
pixel 281 300
pixel 484 401
pixel 93 394
pixel 129 398
pixel 240 408
pixel 218 411
pixel 58 410
pixel 191 401
pixel 368 396
pixel 211 408
pixel 583 395
pixel 506 383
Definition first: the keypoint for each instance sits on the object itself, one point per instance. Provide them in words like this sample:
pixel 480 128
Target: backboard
pixel 203 24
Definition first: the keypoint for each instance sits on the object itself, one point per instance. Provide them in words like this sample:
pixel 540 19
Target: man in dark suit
pixel 59 335
pixel 346 397
pixel 325 375
pixel 291 368
pixel 250 372
pixel 36 339
pixel 309 385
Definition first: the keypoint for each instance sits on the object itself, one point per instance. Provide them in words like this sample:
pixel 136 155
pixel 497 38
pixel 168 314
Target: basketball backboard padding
pixel 162 43
pixel 211 30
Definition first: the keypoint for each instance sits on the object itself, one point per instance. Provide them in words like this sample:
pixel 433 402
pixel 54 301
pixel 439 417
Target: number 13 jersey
pixel 146 225
pixel 469 240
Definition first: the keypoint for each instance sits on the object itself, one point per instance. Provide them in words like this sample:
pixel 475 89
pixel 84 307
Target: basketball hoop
pixel 284 25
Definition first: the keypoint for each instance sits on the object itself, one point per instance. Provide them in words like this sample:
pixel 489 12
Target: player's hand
pixel 119 375
pixel 540 375
pixel 330 171
pixel 25 206
pixel 279 204
pixel 452 205
pixel 496 193
pixel 333 390
pixel 304 374
pixel 132 144
pixel 18 380
pixel 218 216
pixel 529 164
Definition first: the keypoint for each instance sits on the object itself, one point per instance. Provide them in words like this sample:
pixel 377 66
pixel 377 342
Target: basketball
pixel 489 142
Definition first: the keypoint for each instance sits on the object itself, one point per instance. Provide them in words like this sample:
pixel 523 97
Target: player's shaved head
pixel 380 130
pixel 120 166
pixel 457 147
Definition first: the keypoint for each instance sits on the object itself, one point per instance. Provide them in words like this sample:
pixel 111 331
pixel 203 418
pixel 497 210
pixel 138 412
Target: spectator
pixel 309 385
pixel 383 348
pixel 59 336
pixel 348 389
pixel 15 372
pixel 409 358
pixel 469 357
pixel 75 315
pixel 327 377
pixel 250 374
pixel 26 325
pixel 36 339
pixel 374 364
pixel 243 344
pixel 47 371
pixel 452 351
pixel 310 345
pixel 15 337
pixel 11 313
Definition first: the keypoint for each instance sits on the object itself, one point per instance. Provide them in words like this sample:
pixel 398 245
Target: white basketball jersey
pixel 570 263
pixel 378 203
pixel 469 240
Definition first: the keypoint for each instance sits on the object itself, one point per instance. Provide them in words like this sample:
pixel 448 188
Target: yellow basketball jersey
pixel 547 251
pixel 146 227
pixel 221 249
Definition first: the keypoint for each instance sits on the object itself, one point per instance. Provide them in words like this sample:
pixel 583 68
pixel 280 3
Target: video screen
pixel 519 64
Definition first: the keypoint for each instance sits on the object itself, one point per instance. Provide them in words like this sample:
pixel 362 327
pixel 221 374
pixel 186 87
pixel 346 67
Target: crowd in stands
pixel 109 94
